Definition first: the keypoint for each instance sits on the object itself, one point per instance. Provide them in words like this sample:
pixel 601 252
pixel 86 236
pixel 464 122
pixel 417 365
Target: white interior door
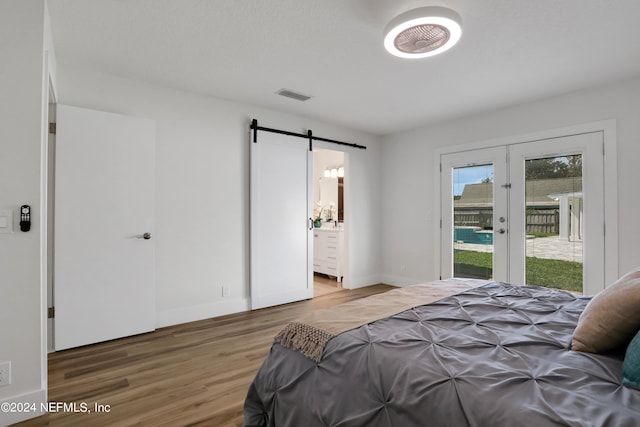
pixel 104 284
pixel 281 230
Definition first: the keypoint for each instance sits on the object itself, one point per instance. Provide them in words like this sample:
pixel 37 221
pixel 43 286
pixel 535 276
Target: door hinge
pixel 51 312
pixel 52 128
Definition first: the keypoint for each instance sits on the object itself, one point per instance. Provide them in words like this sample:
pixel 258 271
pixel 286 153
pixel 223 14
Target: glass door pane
pixel 473 189
pixel 554 217
pixel 473 221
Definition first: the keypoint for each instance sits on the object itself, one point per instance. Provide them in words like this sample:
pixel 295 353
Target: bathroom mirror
pixel 332 190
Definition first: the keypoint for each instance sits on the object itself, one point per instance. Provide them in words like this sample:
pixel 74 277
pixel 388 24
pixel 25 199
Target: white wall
pixel 409 205
pixel 202 208
pixel 23 41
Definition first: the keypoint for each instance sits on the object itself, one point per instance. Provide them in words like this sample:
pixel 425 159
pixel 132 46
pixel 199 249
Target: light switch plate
pixel 6 221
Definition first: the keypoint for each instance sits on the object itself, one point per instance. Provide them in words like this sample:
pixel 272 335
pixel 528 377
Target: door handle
pixel 310 224
pixel 502 231
pixel 145 236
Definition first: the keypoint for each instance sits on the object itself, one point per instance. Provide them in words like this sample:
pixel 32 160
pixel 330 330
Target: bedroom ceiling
pixel 511 51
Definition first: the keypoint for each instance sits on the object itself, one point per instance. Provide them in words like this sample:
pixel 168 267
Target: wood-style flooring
pixel 323 285
pixel 195 374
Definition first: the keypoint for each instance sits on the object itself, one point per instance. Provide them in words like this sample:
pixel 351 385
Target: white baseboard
pixel 361 282
pixel 401 280
pixel 177 316
pixel 36 398
pixel 221 308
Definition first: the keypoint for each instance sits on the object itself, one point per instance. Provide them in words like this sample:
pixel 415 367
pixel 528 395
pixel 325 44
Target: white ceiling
pixel 511 51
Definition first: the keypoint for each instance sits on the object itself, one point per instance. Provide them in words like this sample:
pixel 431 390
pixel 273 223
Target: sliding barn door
pixel 281 230
pixel 104 207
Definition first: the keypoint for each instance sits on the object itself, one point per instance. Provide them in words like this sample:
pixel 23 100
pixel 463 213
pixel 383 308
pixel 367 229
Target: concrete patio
pixel 539 247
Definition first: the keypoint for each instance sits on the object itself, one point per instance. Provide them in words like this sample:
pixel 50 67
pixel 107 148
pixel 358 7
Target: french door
pixel 527 213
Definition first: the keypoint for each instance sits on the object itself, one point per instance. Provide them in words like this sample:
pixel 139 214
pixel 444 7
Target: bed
pixel 491 355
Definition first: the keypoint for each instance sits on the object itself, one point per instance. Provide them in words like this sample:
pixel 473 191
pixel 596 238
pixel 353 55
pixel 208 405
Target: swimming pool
pixel 475 235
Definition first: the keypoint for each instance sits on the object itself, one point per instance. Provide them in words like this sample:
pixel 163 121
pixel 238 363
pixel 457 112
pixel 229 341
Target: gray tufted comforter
pixel 497 355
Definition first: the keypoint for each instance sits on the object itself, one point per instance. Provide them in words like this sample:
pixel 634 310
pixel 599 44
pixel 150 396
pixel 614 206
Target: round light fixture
pixel 422 32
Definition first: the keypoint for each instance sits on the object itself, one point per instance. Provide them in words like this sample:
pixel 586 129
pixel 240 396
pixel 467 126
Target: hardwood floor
pixel 323 285
pixel 195 374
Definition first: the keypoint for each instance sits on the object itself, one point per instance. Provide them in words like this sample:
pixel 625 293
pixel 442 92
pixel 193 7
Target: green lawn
pixel 551 273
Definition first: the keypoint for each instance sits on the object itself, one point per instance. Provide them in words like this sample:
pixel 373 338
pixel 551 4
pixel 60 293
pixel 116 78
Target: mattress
pixel 496 355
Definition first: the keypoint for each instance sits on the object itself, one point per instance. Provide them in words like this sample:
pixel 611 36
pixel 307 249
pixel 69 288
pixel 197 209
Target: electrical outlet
pixel 5 373
pixel 226 292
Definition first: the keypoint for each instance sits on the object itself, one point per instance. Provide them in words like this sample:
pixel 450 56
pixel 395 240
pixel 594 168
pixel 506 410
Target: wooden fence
pixel 482 218
pixel 538 220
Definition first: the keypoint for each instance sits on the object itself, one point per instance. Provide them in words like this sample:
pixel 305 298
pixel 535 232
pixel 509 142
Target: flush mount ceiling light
pixel 422 32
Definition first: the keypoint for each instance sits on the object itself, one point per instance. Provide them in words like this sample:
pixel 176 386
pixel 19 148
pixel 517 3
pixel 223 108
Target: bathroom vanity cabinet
pixel 328 244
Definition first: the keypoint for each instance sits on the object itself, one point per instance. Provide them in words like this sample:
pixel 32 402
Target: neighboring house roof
pixel 540 192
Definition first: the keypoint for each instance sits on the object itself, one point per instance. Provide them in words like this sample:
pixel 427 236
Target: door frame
pixel 608 129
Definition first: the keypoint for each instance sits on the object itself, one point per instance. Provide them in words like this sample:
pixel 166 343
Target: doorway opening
pixel 329 254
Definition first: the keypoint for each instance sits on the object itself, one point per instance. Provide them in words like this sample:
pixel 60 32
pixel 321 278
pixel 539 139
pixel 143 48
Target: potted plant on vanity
pixel 329 214
pixel 317 215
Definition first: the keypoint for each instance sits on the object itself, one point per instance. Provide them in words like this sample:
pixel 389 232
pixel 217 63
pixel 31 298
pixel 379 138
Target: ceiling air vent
pixel 293 95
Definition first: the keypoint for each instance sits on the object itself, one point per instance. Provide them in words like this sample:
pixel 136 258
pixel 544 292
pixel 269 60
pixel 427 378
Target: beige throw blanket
pixel 311 333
